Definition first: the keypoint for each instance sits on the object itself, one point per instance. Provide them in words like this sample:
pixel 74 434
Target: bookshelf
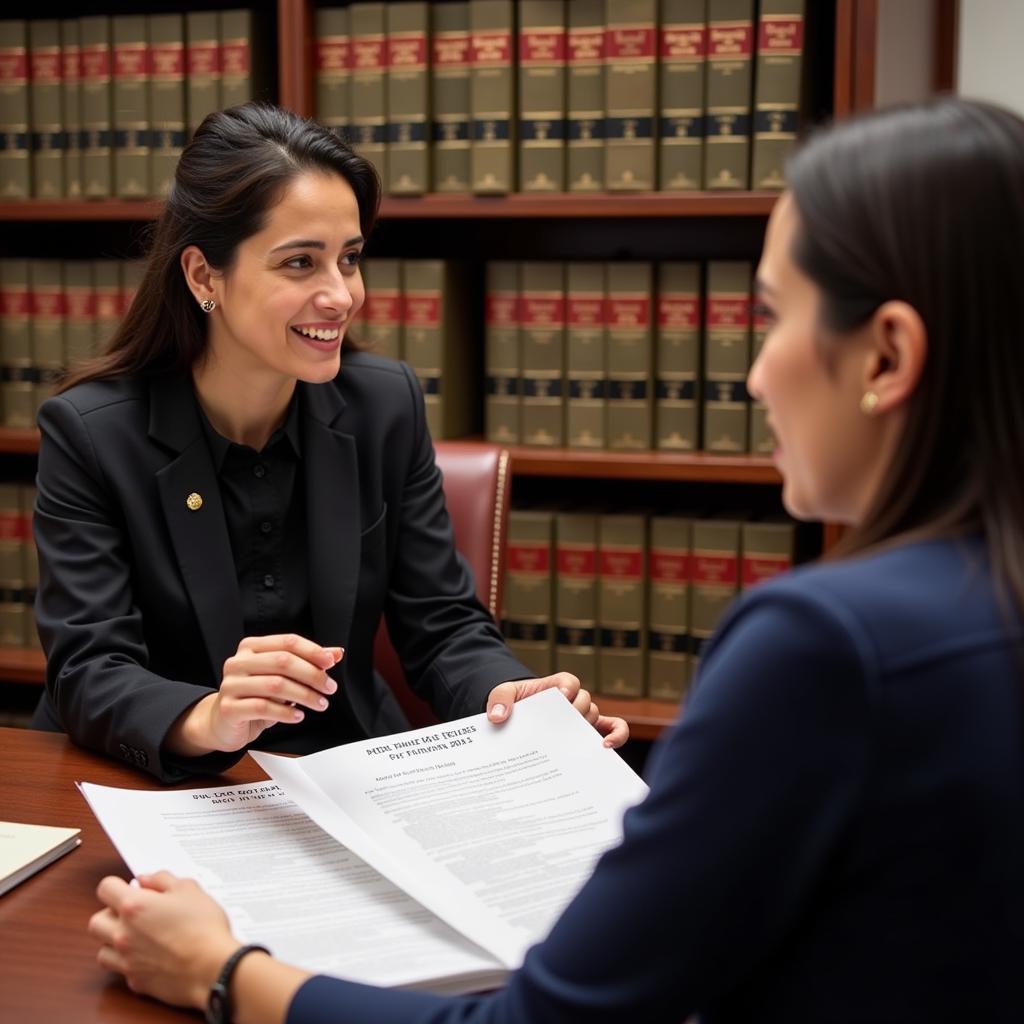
pixel 647 225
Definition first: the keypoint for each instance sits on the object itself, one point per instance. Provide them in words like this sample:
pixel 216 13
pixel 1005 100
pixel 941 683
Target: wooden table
pixel 48 969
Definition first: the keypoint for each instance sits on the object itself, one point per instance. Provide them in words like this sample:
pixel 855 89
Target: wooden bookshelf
pixel 18 442
pixel 22 665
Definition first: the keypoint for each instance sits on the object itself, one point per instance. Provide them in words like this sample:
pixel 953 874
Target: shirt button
pixel 268 581
pixel 259 470
pixel 266 526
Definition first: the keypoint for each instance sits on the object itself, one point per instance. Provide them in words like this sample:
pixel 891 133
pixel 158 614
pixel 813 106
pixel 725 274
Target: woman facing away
pixel 835 830
pixel 221 511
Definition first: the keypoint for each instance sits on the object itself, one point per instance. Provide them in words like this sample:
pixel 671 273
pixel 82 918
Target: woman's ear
pixel 199 276
pixel 897 352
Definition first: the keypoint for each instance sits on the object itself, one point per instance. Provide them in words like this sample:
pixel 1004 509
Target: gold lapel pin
pixel 194 502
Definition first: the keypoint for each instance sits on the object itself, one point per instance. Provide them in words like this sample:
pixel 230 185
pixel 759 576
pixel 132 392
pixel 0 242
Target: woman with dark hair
pixel 220 510
pixel 835 829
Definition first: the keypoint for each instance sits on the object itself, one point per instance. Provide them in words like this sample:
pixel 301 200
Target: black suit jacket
pixel 138 603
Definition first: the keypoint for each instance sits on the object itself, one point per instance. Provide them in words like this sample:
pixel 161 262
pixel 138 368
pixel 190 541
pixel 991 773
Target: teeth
pixel 320 334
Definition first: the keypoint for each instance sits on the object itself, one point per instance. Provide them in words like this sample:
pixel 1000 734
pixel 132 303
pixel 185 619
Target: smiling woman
pixel 232 496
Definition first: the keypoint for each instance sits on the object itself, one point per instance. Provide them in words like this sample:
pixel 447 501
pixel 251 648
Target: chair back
pixel 476 490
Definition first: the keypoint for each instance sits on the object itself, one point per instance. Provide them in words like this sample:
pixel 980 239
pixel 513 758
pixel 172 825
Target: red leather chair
pixel 476 490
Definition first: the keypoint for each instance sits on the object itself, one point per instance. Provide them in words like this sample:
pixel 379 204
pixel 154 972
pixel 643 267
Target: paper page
pixel 285 883
pixel 26 849
pixel 495 828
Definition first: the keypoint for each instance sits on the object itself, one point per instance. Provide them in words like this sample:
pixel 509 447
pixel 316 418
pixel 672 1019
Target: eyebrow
pixel 313 243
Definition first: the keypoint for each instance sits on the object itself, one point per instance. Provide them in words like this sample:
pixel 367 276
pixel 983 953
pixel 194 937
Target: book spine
pixel 780 45
pixel 630 349
pixel 682 48
pixel 46 327
pixel 727 356
pixel 15 165
pixel 528 614
pixel 130 274
pixel 715 575
pixel 202 59
pixel 542 311
pixel 368 115
pixel 762 440
pixel 236 58
pixel 450 81
pixel 621 605
pixel 382 310
pixel 106 276
pixel 12 567
pixel 27 499
pixel 767 551
pixel 97 126
pixel 542 51
pixel 730 52
pixel 47 115
pixel 669 660
pixel 586 355
pixel 576 595
pixel 585 92
pixel 131 106
pixel 166 98
pixel 408 98
pixel 333 57
pixel 80 302
pixel 677 388
pixel 16 373
pixel 503 356
pixel 71 88
pixel 631 93
pixel 492 97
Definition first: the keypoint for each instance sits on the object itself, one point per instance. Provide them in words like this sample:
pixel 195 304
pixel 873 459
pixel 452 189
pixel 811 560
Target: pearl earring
pixel 869 403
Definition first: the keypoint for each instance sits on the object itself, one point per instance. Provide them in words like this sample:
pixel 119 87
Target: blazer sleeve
pixel 97 673
pixel 450 647
pixel 750 795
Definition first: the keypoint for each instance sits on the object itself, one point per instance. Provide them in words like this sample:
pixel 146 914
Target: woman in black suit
pixel 223 516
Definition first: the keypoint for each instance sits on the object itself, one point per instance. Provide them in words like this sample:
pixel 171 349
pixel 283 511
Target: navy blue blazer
pixel 138 604
pixel 834 832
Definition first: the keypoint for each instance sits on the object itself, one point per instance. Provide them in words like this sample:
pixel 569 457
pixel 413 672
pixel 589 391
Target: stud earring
pixel 207 305
pixel 868 403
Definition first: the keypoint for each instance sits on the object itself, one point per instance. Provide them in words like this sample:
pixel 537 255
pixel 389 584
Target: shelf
pixel 79 209
pixel 22 665
pixel 647 718
pixel 18 442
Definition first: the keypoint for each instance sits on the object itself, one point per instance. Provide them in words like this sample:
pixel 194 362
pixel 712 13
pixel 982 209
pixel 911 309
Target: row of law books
pixel 623 356
pixel 19 571
pixel 98 106
pixel 53 315
pixel 548 96
pixel 626 602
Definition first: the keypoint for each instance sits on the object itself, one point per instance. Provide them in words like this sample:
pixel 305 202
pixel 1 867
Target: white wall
pixel 905 51
pixel 990 61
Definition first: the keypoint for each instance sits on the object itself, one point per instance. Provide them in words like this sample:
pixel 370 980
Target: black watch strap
pixel 218 1003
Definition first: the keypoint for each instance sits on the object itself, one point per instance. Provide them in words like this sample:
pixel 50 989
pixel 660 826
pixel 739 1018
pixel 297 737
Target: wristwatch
pixel 218 1003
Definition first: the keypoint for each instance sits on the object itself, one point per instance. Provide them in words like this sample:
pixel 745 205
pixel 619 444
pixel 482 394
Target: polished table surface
pixel 48 970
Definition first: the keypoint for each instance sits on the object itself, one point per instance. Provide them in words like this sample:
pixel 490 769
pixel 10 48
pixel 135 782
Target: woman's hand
pixel 165 935
pixel 500 700
pixel 269 679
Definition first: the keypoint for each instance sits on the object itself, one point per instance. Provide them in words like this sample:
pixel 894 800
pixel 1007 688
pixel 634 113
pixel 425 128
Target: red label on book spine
pixel 332 55
pixel 763 567
pixel 15 302
pixel 368 53
pixel 131 62
pixel 531 559
pixel 48 303
pixel 408 53
pixel 683 41
pixel 780 36
pixel 95 63
pixel 46 66
pixel 81 303
pixel 579 562
pixel 629 312
pixel 451 51
pixel 542 46
pixel 678 311
pixel 11 527
pixel 492 48
pixel 501 310
pixel 422 310
pixel 730 39
pixel 669 566
pixel 13 66
pixel 728 312
pixel 542 311
pixel 204 58
pixel 626 564
pixel 235 57
pixel 383 308
pixel 634 42
pixel 722 570
pixel 167 61
pixel 585 45
pixel 71 63
pixel 585 311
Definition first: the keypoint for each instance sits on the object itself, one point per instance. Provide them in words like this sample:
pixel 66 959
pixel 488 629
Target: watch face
pixel 217 1005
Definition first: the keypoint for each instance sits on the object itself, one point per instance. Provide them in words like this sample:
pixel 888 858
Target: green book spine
pixel 729 77
pixel 80 301
pixel 541 79
pixel 368 116
pixel 408 99
pixel 15 165
pixel 46 282
pixel 576 595
pixel 16 372
pixel 631 95
pixel 12 566
pixel 237 59
pixel 47 109
pixel 585 91
pixel 780 45
pixel 106 277
pixel 131 106
pixel 492 96
pixel 762 440
pixel 586 356
pixel 727 357
pixel 622 615
pixel 450 85
pixel 97 124
pixel 682 49
pixel 542 319
pixel 71 87
pixel 715 575
pixel 382 310
pixel 630 355
pixel 166 98
pixel 677 388
pixel 669 660
pixel 503 355
pixel 333 68
pixel 202 58
pixel 767 551
pixel 528 617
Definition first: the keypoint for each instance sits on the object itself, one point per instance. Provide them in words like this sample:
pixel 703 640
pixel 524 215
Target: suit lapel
pixel 199 534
